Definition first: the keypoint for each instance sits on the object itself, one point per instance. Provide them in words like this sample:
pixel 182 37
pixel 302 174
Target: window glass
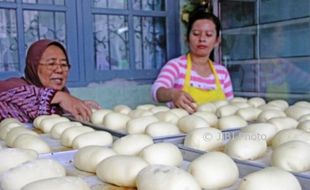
pixel 7 0
pixel 50 2
pixel 150 42
pixel 113 4
pixel 8 41
pixel 111 42
pixel 153 5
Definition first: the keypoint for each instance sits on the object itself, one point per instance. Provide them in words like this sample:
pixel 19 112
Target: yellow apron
pixel 200 95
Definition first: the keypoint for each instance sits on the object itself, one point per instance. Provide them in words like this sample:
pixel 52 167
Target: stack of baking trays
pixel 186 141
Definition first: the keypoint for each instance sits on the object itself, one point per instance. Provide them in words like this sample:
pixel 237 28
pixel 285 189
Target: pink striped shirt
pixel 172 75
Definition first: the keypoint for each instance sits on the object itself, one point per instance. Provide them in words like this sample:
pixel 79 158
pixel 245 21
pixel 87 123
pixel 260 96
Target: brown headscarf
pixel 34 55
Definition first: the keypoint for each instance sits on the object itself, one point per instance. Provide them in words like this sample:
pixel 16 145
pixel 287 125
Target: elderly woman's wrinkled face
pixel 53 68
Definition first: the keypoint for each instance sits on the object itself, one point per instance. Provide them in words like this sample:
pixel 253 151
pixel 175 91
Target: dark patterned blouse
pixel 27 102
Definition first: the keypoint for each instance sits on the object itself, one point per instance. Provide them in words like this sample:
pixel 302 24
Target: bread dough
pixel 12 157
pixel 268 114
pixel 4 129
pixel 190 122
pixel 256 101
pixel 47 123
pixel 87 158
pixel 204 139
pixel 123 170
pixel 115 121
pixel 159 177
pixel 293 156
pixel 71 133
pixel 98 115
pixel 31 142
pixel 210 118
pixel 162 153
pixel 101 138
pixel 283 123
pixel 297 112
pixel 214 170
pixel 16 178
pixel 231 122
pixel 282 104
pixel 226 110
pixel 161 129
pixel 122 109
pixel 167 116
pixel 37 121
pixel 138 125
pixel 287 135
pixel 59 183
pixel 304 125
pixel 249 114
pixel 159 109
pixel 59 128
pixel 132 144
pixel 179 112
pixel 270 178
pixel 15 132
pixel 266 130
pixel 207 107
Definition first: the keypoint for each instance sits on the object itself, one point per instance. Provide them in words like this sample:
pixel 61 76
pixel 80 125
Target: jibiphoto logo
pixel 231 135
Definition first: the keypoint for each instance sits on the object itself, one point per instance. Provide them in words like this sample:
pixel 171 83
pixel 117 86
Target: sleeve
pixel 166 78
pixel 26 102
pixel 228 88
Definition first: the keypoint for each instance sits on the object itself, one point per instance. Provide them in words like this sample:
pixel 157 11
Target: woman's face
pixel 53 68
pixel 203 38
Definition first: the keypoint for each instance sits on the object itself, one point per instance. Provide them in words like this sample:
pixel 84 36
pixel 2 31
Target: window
pixel 105 39
pixel 266 45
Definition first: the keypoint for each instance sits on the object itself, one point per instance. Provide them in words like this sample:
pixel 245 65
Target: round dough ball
pixel 47 123
pixel 282 104
pixel 302 104
pixel 241 105
pixel 231 122
pixel 159 109
pixel 12 157
pixel 304 125
pixel 220 103
pixel 268 114
pixel 138 125
pixel 167 116
pixel 123 170
pixel 98 116
pixel 249 114
pixel 190 122
pixel 37 121
pixel 208 117
pixel 140 113
pixel 59 128
pixel 246 146
pixel 297 112
pixel 270 178
pixel 59 183
pixel 293 156
pixel 214 170
pixel 132 144
pixel 204 139
pixel 145 107
pixel 256 101
pixel 31 142
pixel 283 123
pixel 115 121
pixel 87 158
pixel 287 135
pixel 71 133
pixel 207 107
pixel 264 129
pixel 304 118
pixel 31 171
pixel 15 132
pixel 160 129
pixel 123 109
pixel 179 112
pixel 7 127
pixel 8 120
pixel 226 110
pixel 159 177
pixel 162 153
pixel 101 138
pixel 239 99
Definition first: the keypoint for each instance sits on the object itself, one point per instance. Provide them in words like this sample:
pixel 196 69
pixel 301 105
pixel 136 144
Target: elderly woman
pixel 42 91
pixel 193 78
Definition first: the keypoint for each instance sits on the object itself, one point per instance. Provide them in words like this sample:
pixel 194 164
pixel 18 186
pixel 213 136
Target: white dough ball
pixel 115 121
pixel 59 183
pixel 270 178
pixel 159 177
pixel 87 158
pixel 282 104
pixel 305 104
pixel 204 139
pixel 246 146
pixel 71 133
pixel 138 125
pixel 256 101
pixel 7 127
pixel 287 135
pixel 145 106
pixel 241 105
pixel 238 99
pixel 249 114
pixel 140 113
pixel 214 170
pixel 159 109
pixel 226 110
pixel 179 112
pixel 220 103
pixel 37 121
pixel 190 122
pixel 101 138
pixel 283 123
pixel 297 112
pixel 98 116
pixel 231 122
pixel 123 170
pixel 16 178
pixel 167 116
pixel 264 129
pixel 47 123
pixel 304 118
pixel 31 142
pixel 304 125
pixel 160 129
pixel 59 128
pixel 267 107
pixel 15 132
pixel 209 117
pixel 162 153
pixel 268 114
pixel 293 156
pixel 132 144
pixel 12 157
pixel 207 107
pixel 8 120
pixel 122 109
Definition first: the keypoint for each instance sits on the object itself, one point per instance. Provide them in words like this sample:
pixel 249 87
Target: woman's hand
pixel 183 100
pixel 92 104
pixel 80 109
